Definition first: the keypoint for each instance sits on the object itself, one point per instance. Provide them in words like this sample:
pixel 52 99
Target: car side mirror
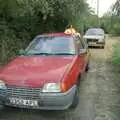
pixel 83 51
pixel 21 51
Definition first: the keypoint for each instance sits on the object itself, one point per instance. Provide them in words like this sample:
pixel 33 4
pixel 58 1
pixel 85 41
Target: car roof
pixel 56 35
pixel 53 35
pixel 98 29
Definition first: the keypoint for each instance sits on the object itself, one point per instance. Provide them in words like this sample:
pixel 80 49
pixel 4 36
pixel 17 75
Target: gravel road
pixel 99 94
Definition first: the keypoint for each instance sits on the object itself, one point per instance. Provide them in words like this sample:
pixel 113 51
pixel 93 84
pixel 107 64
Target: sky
pixel 104 5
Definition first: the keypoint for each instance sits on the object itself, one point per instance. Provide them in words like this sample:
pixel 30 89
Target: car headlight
pixel 51 87
pixel 2 85
pixel 100 40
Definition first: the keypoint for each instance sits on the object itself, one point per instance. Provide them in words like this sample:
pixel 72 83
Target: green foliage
pixel 115 27
pixel 21 20
pixel 116 8
pixel 116 54
pixel 111 24
pixel 115 30
pixel 111 20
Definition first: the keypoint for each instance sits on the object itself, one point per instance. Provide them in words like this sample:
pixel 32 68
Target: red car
pixel 47 74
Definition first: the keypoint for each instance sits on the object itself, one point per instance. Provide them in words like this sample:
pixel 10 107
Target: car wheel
pixel 76 98
pixel 1 107
pixel 103 46
pixel 87 68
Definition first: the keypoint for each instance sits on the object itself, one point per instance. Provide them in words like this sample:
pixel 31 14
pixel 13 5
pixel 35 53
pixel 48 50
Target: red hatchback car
pixel 47 74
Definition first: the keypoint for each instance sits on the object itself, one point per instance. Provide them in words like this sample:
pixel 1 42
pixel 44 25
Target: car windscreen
pixel 52 45
pixel 95 32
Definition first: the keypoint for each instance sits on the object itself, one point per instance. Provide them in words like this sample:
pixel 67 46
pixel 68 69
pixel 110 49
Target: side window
pixel 83 42
pixel 79 42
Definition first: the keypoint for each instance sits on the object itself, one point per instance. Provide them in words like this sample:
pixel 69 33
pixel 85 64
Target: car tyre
pixel 1 107
pixel 103 46
pixel 76 98
pixel 87 68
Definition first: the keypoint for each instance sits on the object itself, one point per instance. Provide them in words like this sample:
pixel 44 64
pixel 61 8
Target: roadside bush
pixel 9 45
pixel 21 20
pixel 116 54
pixel 115 29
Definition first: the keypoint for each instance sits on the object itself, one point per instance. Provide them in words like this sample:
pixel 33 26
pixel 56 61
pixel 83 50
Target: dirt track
pixel 99 94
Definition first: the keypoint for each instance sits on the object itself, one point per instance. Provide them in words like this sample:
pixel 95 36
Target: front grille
pixel 32 93
pixel 92 40
pixel 3 92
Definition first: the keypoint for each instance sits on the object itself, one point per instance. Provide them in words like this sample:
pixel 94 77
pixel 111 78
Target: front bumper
pixel 47 101
pixel 96 44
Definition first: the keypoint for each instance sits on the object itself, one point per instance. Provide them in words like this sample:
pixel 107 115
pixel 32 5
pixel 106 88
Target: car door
pixel 83 53
pixel 87 55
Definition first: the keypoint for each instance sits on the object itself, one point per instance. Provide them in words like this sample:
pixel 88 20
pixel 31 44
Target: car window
pixel 52 45
pixel 79 44
pixel 95 32
pixel 85 45
pixel 82 44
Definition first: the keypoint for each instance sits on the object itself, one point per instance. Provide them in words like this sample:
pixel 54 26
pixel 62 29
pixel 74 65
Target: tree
pixel 21 20
pixel 116 8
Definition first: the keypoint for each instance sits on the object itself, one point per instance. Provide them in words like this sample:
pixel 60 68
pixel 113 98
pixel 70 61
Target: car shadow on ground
pixel 22 114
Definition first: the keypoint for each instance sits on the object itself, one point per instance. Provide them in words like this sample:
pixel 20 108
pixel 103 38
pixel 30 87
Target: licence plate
pixel 19 101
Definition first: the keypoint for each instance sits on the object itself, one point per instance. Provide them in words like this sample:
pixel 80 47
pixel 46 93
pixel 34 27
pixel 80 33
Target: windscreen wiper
pixel 39 54
pixel 63 54
pixel 51 54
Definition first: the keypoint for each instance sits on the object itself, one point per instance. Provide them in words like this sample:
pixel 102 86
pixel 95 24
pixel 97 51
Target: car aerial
pixel 46 75
pixel 95 37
